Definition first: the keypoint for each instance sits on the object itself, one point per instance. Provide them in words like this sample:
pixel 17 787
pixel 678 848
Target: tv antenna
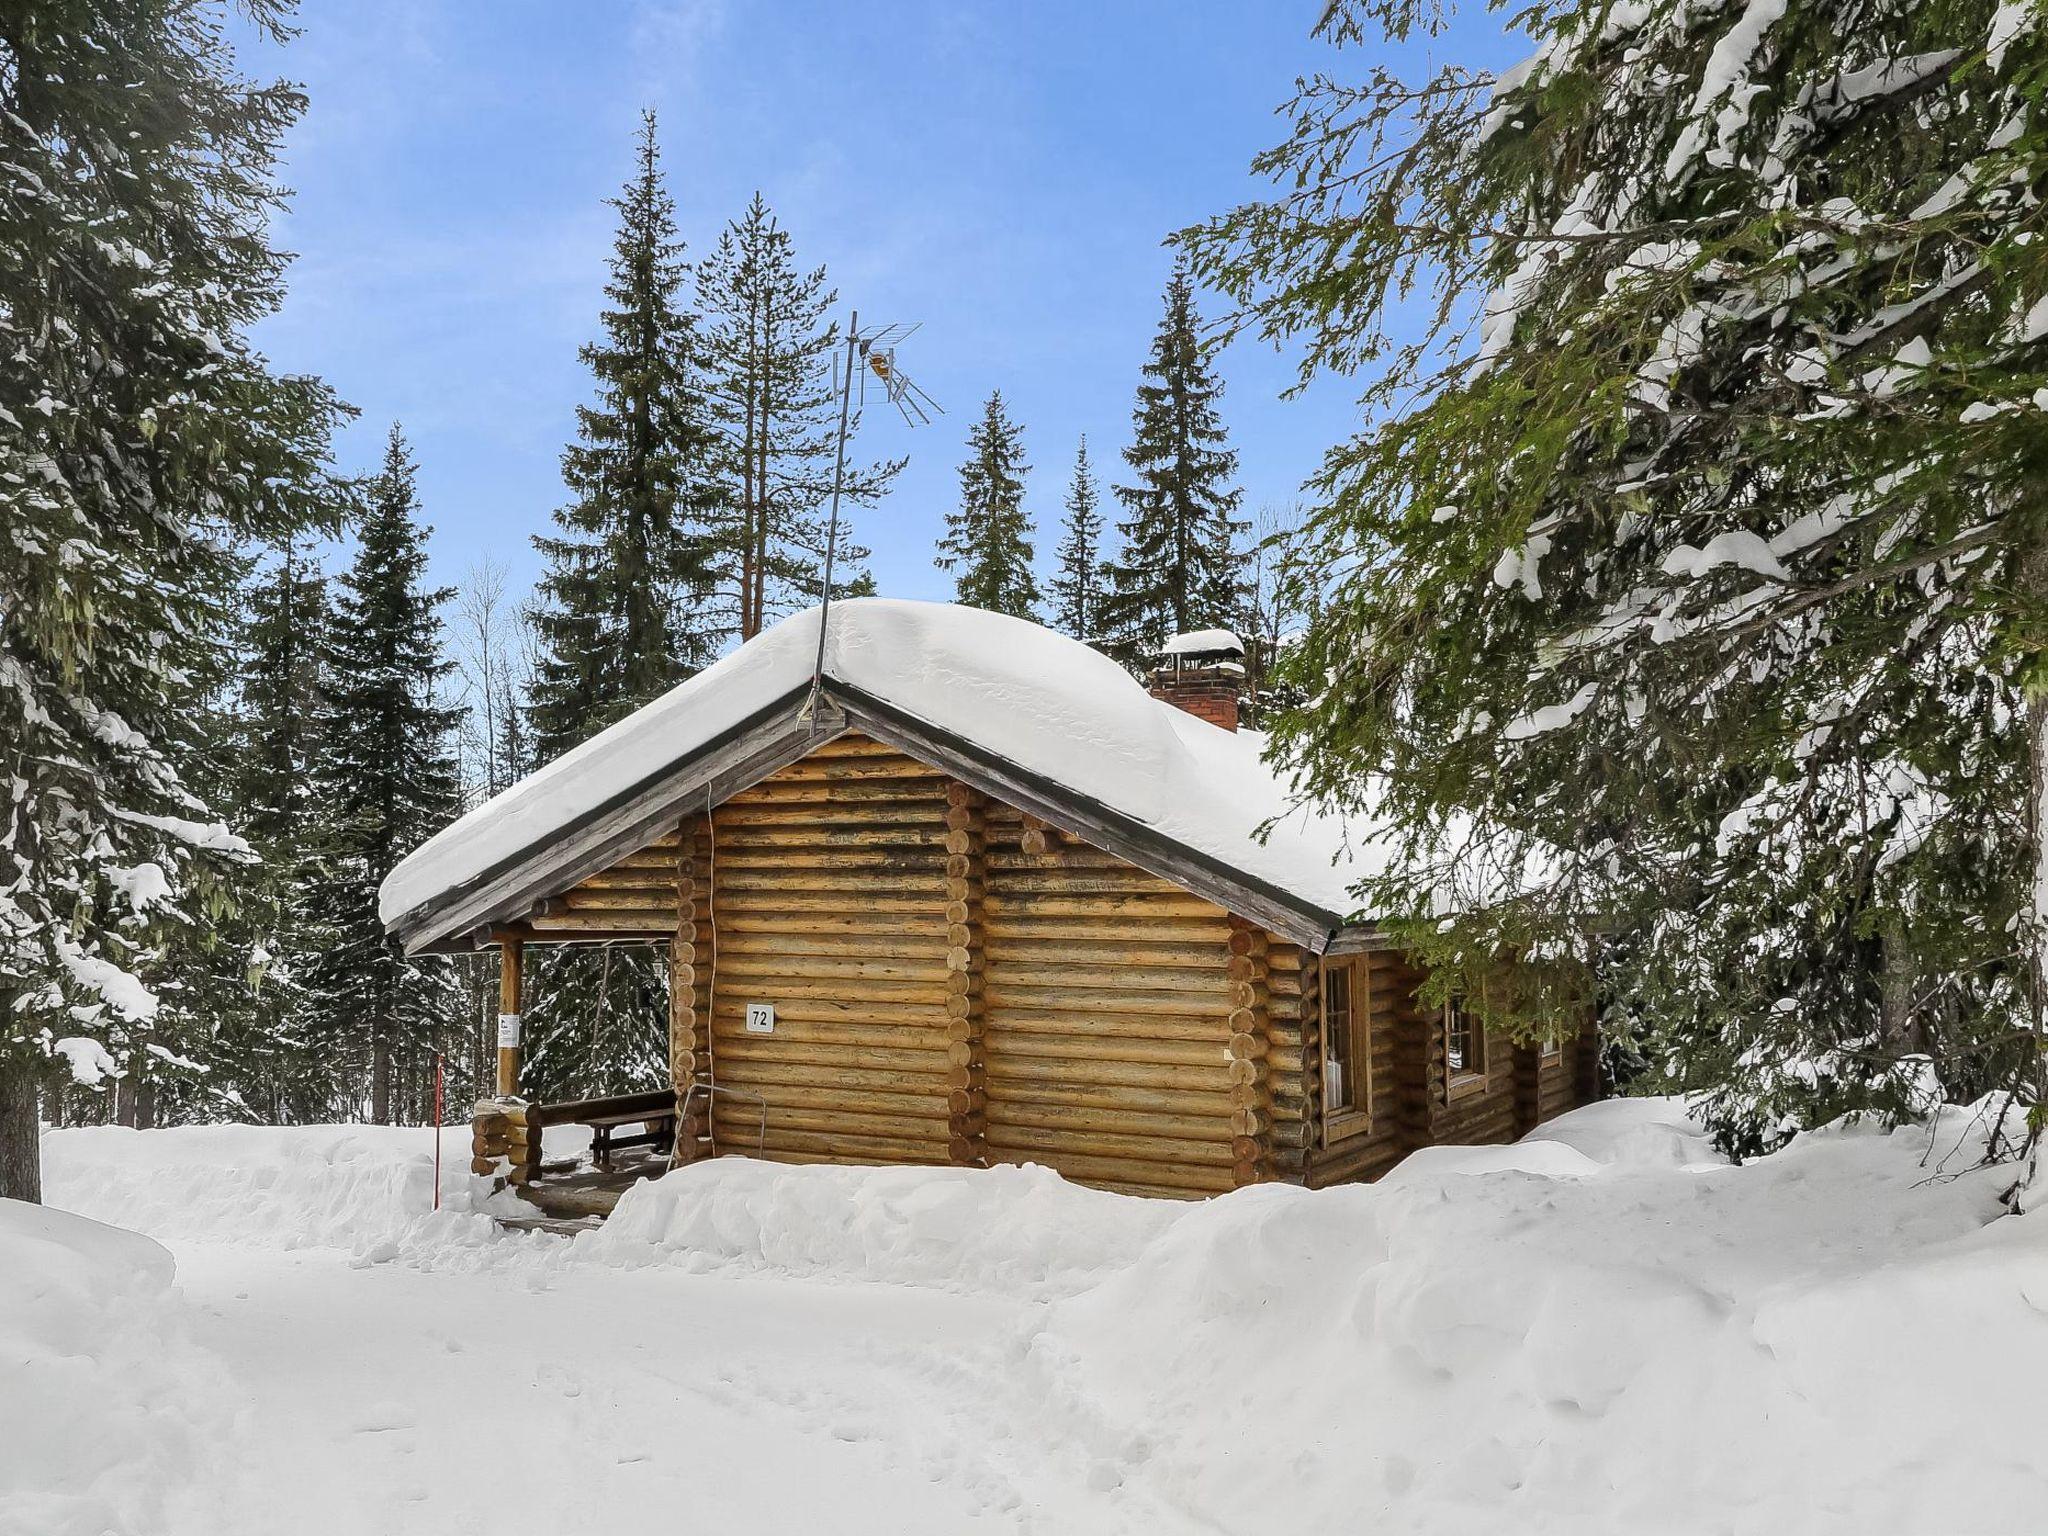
pixel 870 358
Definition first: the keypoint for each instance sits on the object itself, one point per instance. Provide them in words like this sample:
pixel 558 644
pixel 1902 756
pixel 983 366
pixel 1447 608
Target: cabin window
pixel 1347 1050
pixel 1552 1049
pixel 1464 1047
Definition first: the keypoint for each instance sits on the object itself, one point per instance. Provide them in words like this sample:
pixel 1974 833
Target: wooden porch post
pixel 511 965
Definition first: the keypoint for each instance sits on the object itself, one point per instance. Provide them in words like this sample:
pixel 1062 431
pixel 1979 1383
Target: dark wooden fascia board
pixel 1078 815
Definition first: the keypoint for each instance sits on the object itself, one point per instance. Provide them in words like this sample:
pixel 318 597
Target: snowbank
pixel 1592 1332
pixel 1602 1328
pixel 1023 1232
pixel 338 1186
pixel 104 1405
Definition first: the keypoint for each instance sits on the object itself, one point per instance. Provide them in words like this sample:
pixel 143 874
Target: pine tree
pixel 1704 589
pixel 386 783
pixel 1180 568
pixel 1077 584
pixel 769 354
pixel 612 620
pixel 617 625
pixel 140 440
pixel 987 543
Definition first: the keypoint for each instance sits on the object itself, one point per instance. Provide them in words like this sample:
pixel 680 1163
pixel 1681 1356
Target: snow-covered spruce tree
pixel 1701 601
pixel 1076 586
pixel 1180 567
pixel 386 782
pixel 620 617
pixel 140 439
pixel 768 354
pixel 987 543
pixel 263 1056
pixel 628 564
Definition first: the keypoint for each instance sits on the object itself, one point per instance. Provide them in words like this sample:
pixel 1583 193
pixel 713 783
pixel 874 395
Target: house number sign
pixel 760 1018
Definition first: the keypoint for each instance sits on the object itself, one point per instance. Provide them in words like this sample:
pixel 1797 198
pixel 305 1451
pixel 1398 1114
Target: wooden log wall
pixel 1110 1020
pixel 633 897
pixel 828 901
pixel 955 981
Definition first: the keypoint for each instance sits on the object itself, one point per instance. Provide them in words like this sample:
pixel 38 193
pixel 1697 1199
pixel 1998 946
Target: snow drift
pixel 104 1406
pixel 284 1187
pixel 1602 1328
pixel 1010 1231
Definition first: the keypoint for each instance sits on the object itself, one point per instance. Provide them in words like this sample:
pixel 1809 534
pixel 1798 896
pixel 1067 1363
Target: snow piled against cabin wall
pixel 1602 1328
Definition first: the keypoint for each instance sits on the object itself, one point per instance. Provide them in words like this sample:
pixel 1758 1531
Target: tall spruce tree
pixel 1077 583
pixel 630 556
pixel 266 1058
pixel 140 439
pixel 618 622
pixel 1180 567
pixel 768 355
pixel 387 781
pixel 987 543
pixel 1692 617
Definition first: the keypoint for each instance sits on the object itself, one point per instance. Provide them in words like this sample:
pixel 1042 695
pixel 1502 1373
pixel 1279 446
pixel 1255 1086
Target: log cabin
pixel 945 887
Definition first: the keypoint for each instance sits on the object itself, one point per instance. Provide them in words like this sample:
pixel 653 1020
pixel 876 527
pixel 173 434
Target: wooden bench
pixel 655 1110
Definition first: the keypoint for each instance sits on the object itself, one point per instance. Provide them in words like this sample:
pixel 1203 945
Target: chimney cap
pixel 1203 645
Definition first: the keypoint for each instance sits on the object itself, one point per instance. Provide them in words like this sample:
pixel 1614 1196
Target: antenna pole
pixel 832 529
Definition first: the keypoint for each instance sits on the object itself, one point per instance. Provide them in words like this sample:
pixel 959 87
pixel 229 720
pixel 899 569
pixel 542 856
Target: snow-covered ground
pixel 1603 1329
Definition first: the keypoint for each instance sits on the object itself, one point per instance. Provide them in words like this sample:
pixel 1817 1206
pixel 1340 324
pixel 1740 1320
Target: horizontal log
pixel 1042 968
pixel 1034 1115
pixel 760 885
pixel 747 964
pixel 1021 1074
pixel 1211 1104
pixel 1206 935
pixel 762 1076
pixel 797 1036
pixel 814 988
pixel 1139 950
pixel 734 1116
pixel 1100 1024
pixel 826 819
pixel 737 1052
pixel 1004 992
pixel 884 1149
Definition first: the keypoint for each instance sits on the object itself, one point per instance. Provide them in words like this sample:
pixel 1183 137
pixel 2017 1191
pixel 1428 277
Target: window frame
pixel 1355 1118
pixel 1467 1079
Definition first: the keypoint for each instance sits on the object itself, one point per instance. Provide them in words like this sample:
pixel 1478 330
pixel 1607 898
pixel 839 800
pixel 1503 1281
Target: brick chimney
pixel 1201 673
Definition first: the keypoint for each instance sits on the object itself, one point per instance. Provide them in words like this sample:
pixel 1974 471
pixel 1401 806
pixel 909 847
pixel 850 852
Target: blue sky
pixel 1003 173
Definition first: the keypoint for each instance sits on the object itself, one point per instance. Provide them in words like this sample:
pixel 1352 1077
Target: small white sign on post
pixel 760 1018
pixel 508 1031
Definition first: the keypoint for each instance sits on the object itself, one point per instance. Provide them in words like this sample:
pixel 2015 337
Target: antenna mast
pixel 871 355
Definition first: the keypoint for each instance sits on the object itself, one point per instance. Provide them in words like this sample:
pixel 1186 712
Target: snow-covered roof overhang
pixel 1039 720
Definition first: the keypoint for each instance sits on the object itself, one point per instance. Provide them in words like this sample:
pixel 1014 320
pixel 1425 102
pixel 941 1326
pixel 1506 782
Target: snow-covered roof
pixel 1015 691
pixel 1204 642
